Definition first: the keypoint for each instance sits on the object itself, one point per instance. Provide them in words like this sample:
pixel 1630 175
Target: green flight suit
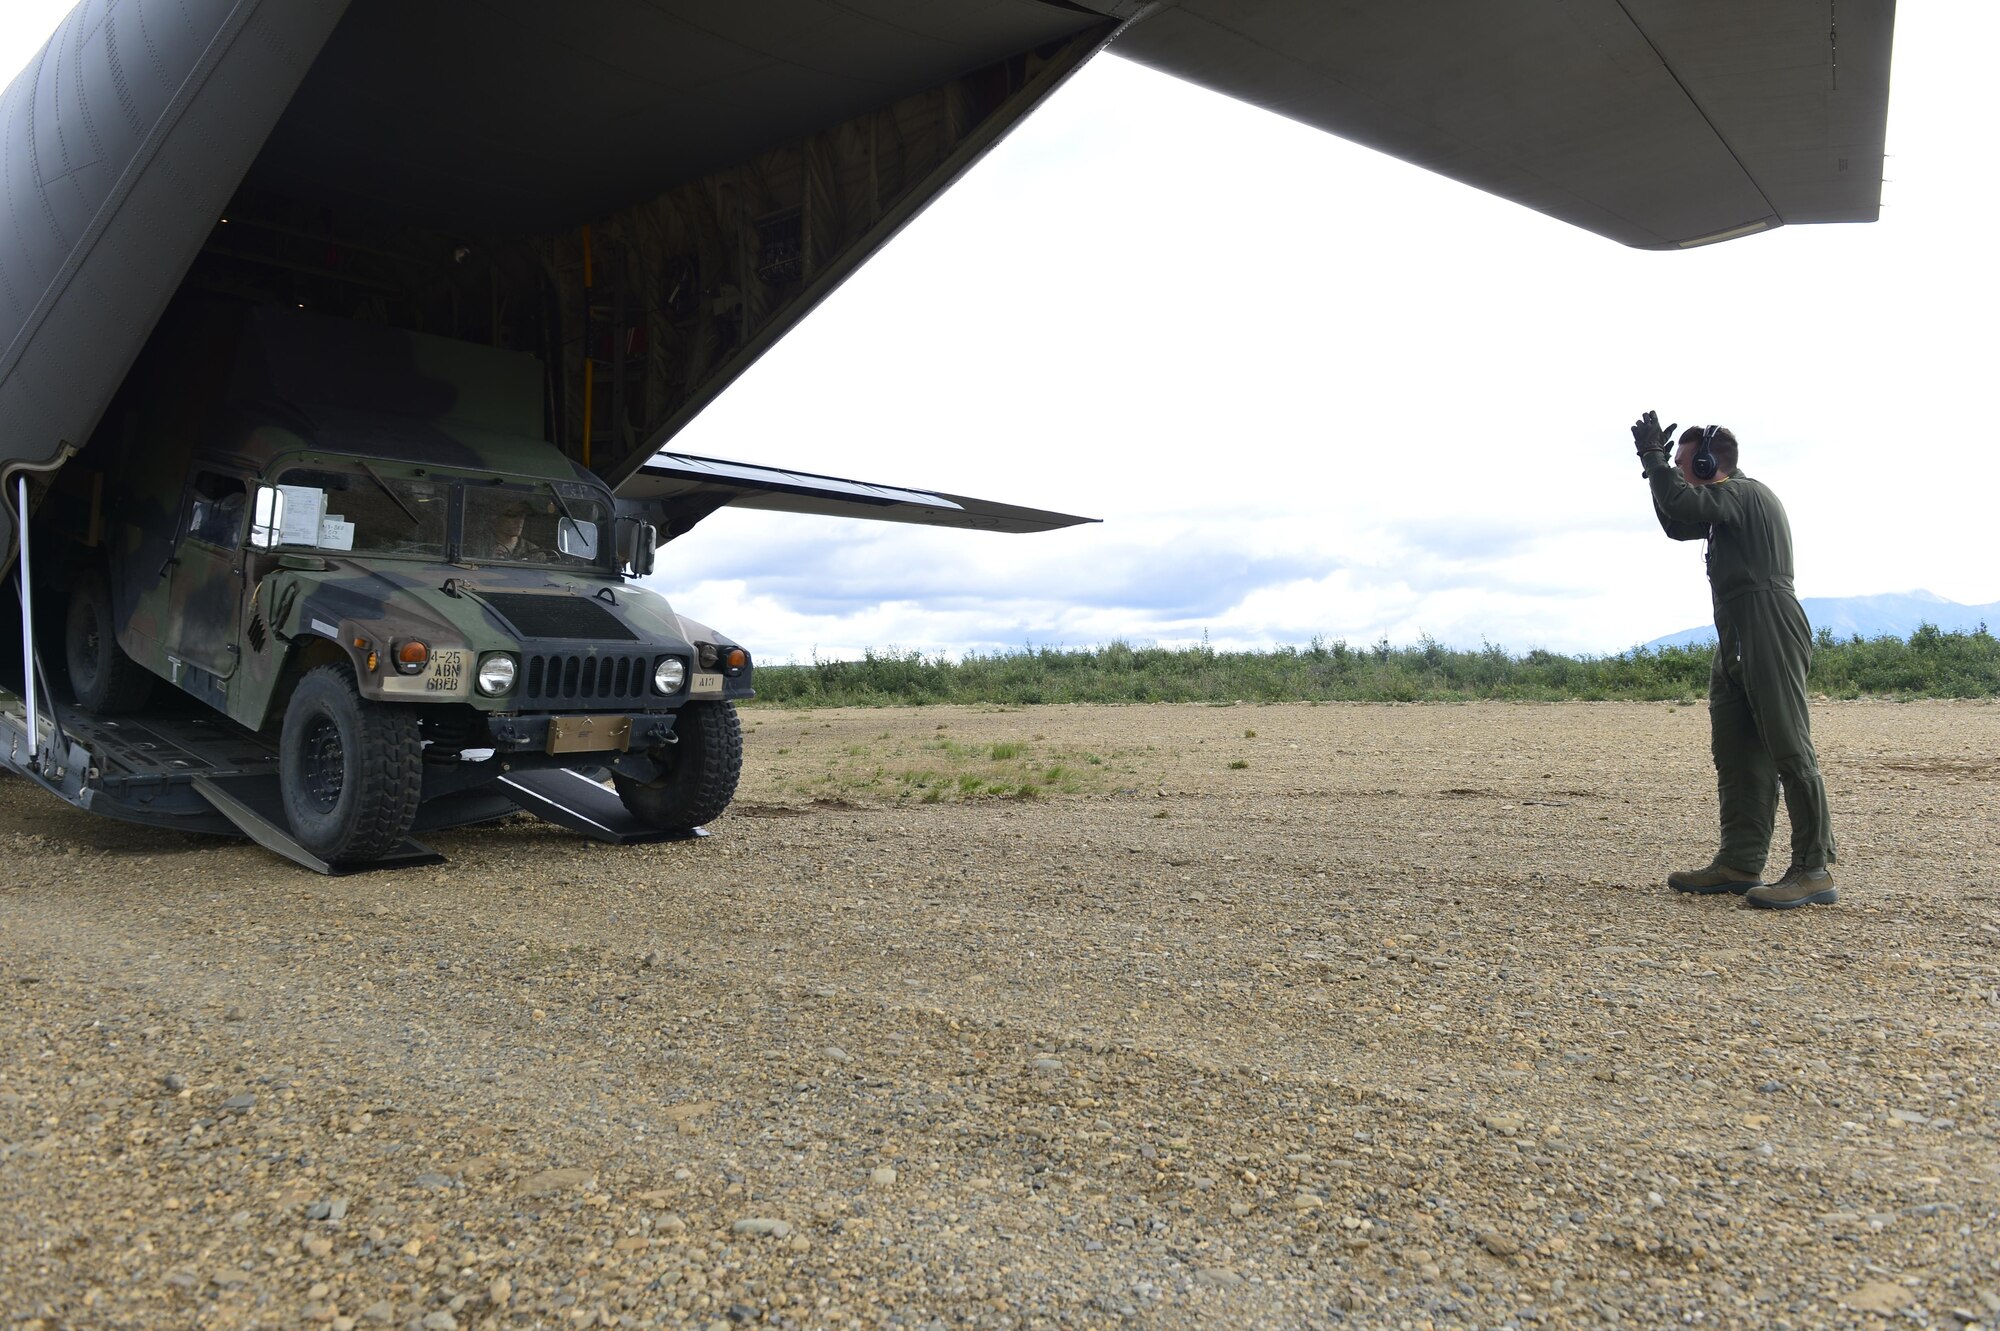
pixel 1760 730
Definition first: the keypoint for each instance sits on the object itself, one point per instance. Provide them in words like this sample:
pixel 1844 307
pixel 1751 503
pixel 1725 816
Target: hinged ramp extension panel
pixel 251 804
pixel 571 799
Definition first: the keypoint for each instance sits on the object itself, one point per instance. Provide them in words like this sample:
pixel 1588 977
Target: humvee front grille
pixel 565 677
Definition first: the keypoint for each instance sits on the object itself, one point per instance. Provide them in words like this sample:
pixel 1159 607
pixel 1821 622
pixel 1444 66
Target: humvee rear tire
pixel 351 770
pixel 104 679
pixel 701 771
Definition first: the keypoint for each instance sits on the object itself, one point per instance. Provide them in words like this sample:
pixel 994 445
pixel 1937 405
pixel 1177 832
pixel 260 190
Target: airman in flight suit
pixel 1760 729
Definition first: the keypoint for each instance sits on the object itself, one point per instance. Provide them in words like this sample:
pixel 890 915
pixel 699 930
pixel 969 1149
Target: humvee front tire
pixel 351 771
pixel 105 680
pixel 700 773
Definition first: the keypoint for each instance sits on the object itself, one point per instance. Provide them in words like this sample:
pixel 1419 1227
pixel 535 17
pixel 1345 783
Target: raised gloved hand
pixel 1648 437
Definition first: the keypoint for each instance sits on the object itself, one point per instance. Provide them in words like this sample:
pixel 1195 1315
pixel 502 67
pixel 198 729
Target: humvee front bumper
pixel 583 732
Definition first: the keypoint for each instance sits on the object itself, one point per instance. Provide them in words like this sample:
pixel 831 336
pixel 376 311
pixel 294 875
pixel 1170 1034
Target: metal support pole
pixel 27 627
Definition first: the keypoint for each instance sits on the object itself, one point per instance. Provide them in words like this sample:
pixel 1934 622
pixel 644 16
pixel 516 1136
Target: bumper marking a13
pixel 705 683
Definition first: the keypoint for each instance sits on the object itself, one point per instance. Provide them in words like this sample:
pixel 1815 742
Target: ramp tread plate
pixel 171 747
pixel 571 799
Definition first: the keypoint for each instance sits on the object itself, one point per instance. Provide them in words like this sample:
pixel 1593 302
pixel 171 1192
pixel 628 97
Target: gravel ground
pixel 1252 1016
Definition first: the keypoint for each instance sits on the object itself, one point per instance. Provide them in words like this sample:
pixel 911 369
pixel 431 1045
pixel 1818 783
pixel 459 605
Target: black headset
pixel 1704 459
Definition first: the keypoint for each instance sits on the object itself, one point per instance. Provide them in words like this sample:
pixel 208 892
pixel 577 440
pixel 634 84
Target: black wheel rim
pixel 322 764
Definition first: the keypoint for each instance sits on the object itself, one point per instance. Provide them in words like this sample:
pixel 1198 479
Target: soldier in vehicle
pixel 1760 729
pixel 510 539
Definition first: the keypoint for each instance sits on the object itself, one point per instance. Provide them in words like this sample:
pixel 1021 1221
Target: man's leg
pixel 1774 673
pixel 1746 780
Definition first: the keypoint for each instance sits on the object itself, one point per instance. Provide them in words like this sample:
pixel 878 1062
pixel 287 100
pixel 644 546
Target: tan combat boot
pixel 1717 877
pixel 1799 887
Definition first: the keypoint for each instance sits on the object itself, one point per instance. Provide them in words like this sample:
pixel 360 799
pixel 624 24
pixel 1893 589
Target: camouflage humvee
pixel 355 541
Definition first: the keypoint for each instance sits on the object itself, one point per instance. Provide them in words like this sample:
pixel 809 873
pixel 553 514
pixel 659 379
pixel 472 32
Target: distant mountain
pixel 1897 613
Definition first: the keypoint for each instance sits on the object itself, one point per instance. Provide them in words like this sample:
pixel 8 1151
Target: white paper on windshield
pixel 305 505
pixel 335 533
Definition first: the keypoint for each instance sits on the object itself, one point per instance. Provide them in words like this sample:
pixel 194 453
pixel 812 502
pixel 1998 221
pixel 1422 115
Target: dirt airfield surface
pixel 1160 1016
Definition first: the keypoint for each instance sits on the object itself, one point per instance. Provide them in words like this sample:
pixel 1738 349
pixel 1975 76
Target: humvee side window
pixel 386 515
pixel 215 513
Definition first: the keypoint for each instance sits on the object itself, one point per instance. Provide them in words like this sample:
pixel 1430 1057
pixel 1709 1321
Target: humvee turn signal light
pixel 412 655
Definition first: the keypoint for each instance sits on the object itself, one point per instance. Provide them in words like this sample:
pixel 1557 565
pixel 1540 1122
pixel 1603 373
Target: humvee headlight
pixel 496 673
pixel 669 675
pixel 412 655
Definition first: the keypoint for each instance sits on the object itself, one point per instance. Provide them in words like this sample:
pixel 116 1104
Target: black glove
pixel 1648 437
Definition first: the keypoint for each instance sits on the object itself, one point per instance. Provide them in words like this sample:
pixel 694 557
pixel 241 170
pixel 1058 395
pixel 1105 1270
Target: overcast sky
pixel 1312 390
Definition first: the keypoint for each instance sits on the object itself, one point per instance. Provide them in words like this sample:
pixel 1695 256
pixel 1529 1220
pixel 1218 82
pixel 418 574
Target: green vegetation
pixel 1929 664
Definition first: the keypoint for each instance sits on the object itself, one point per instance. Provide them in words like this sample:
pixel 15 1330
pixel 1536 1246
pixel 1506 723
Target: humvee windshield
pixel 532 524
pixel 384 515
pixel 499 522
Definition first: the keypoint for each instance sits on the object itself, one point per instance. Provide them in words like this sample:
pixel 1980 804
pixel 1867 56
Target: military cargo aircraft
pixel 346 340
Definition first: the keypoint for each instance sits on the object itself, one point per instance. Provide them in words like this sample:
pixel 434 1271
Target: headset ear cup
pixel 1704 460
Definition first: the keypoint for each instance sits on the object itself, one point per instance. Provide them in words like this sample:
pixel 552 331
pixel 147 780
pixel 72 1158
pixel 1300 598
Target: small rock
pixel 1769 1087
pixel 1218 1277
pixel 440 1321
pixel 240 1104
pixel 1047 1067
pixel 553 1180
pixel 501 1290
pixel 1880 1296
pixel 1240 1209
pixel 741 1313
pixel 316 1245
pixel 1500 1245
pixel 319 1210
pixel 883 1176
pixel 762 1227
pixel 651 958
pixel 174 1081
pixel 380 1313
pixel 337 1209
pixel 1505 1124
pixel 429 1180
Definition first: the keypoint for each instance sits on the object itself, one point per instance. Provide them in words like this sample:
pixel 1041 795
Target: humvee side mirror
pixel 645 542
pixel 268 518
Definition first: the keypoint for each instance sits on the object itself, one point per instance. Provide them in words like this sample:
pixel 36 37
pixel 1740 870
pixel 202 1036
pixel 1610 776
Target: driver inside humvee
pixel 509 539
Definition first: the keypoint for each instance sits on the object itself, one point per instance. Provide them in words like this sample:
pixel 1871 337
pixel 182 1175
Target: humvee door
pixel 203 586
